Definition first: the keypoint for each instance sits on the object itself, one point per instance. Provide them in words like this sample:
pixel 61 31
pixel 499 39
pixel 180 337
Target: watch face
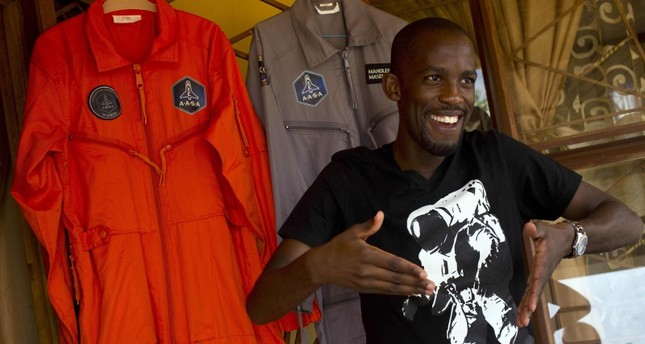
pixel 581 245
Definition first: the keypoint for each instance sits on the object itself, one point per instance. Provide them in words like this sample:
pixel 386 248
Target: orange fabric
pixel 156 216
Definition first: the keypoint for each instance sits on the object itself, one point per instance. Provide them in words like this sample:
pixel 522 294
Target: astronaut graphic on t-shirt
pixel 460 239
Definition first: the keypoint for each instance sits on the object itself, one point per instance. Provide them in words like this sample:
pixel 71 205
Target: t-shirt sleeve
pixel 545 187
pixel 317 217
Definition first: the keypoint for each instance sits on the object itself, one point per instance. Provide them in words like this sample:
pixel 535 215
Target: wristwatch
pixel 579 240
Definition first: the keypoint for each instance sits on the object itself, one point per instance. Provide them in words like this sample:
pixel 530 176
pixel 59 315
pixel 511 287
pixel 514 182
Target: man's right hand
pixel 349 261
pixel 295 271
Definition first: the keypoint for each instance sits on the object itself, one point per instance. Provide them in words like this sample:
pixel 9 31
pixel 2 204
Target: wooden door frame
pixel 501 90
pixel 16 40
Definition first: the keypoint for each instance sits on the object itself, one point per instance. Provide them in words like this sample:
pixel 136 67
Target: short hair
pixel 404 41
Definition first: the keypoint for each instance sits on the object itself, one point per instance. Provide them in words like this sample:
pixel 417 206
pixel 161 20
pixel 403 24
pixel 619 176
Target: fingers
pixel 528 305
pixel 387 281
pixel 389 274
pixel 524 316
pixel 355 264
pixel 541 268
pixel 393 288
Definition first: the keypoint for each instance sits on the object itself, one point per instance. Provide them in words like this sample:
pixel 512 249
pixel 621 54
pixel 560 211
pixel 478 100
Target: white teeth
pixel 445 119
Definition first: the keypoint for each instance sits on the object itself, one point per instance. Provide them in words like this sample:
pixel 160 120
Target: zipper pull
pixel 245 141
pixel 142 93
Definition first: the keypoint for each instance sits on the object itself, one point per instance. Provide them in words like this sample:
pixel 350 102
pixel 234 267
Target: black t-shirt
pixel 463 225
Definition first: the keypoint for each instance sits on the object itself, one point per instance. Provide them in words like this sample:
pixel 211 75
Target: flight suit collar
pixel 164 49
pixel 361 28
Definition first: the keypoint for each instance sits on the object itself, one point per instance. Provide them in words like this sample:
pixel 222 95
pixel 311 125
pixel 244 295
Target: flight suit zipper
pixel 348 78
pixel 157 196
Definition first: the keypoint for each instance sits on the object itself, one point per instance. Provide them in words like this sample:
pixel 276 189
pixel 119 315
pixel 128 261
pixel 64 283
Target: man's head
pixel 432 79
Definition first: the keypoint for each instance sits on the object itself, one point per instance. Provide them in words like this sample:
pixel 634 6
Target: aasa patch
pixel 188 95
pixel 310 88
pixel 104 103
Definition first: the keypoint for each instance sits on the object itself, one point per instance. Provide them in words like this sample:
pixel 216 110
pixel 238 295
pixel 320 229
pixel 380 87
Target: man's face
pixel 437 91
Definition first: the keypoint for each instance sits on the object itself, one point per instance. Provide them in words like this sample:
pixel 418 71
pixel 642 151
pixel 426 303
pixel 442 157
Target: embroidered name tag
pixel 374 72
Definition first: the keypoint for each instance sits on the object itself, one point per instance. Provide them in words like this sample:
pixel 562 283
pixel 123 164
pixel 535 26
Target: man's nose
pixel 451 94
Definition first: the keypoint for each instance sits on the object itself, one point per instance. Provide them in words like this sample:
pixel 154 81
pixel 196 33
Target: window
pixel 568 80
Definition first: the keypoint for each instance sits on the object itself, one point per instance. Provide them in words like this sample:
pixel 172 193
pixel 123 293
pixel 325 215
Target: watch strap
pixel 577 229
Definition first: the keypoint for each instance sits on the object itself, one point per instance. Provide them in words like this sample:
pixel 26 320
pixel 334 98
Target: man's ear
pixel 391 88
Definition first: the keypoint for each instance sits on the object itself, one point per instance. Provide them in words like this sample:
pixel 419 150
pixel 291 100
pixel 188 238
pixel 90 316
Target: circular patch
pixel 104 103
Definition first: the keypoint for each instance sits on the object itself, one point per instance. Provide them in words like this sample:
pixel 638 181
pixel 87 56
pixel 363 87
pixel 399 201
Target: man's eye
pixel 433 78
pixel 469 80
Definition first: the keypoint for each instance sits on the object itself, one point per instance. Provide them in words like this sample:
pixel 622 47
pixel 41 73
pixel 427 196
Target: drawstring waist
pixel 161 170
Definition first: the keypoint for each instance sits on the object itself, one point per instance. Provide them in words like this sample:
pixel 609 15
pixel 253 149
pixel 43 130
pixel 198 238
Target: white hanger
pixel 327 7
pixel 115 5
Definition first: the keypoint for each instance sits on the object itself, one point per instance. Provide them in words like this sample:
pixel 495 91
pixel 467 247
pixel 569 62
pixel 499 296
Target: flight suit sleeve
pixel 237 135
pixel 38 184
pixel 244 157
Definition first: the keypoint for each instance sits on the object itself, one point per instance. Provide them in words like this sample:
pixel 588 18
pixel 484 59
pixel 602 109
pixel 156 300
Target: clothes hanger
pixel 116 5
pixel 326 7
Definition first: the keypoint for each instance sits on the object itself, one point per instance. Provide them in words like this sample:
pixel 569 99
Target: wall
pixel 233 16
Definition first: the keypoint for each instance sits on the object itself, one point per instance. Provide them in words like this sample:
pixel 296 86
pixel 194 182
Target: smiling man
pixel 429 227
